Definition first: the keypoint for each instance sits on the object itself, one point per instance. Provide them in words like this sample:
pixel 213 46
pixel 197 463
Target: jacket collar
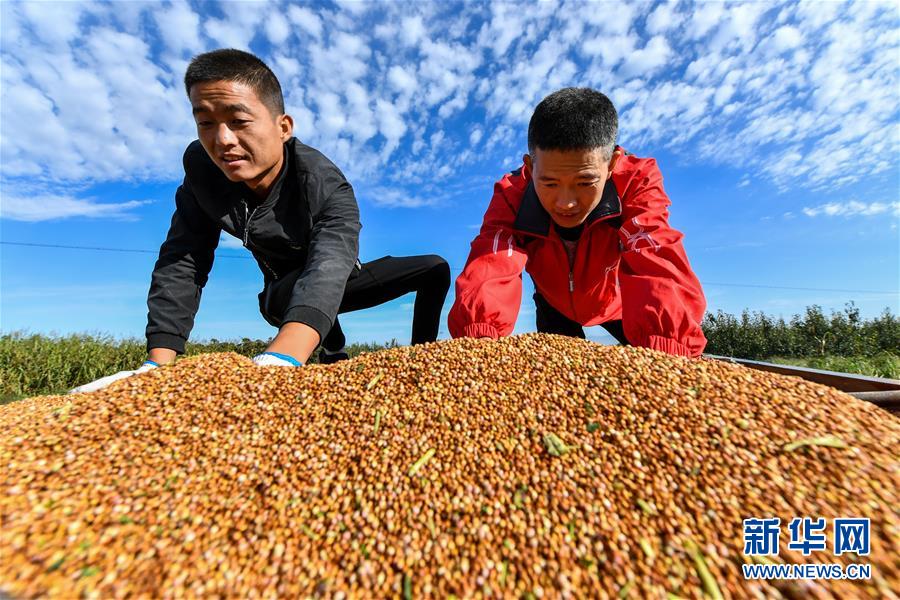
pixel 532 218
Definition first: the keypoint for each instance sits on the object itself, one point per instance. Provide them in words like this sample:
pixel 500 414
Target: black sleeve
pixel 333 250
pixel 185 260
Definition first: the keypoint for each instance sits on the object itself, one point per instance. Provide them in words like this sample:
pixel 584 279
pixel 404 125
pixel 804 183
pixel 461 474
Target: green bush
pixel 32 365
pixel 814 334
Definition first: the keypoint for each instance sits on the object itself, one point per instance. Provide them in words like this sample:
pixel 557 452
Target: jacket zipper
pixel 248 214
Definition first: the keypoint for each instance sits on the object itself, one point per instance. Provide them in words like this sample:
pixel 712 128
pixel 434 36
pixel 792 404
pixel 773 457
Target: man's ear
pixel 528 165
pixel 287 127
pixel 615 158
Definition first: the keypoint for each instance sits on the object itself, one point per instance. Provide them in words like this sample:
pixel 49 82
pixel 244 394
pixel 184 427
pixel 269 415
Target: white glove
pixel 105 381
pixel 274 359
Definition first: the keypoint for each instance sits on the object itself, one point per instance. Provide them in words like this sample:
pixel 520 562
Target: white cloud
pixel 393 198
pixel 762 87
pixel 402 80
pixel 50 207
pixel 853 208
pixel 412 29
pixel 647 60
pixel 786 38
pixel 179 27
pixel 305 19
pixel 277 29
pixel 705 18
pixel 664 18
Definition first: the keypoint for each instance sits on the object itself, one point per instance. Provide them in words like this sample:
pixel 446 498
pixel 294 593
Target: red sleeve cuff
pixel 655 342
pixel 478 330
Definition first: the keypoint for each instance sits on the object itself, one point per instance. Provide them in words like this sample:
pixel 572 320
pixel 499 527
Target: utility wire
pixel 219 255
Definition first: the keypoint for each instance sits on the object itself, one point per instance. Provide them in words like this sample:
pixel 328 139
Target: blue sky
pixel 776 126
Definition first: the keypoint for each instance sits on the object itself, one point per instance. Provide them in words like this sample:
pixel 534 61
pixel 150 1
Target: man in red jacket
pixel 589 222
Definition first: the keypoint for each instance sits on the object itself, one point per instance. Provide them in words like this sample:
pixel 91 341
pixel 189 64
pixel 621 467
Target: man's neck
pixel 262 189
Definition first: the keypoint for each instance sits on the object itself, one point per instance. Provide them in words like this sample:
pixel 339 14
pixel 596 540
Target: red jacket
pixel 629 264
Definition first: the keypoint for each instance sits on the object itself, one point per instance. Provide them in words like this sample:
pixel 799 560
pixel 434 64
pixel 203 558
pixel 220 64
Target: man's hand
pixel 101 383
pixel 297 340
pixel 274 359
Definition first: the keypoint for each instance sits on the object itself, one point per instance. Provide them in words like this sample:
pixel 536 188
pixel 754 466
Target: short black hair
pixel 574 119
pixel 228 64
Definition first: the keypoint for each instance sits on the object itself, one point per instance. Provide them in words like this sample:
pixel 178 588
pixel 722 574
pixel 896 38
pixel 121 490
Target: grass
pixel 883 364
pixel 34 365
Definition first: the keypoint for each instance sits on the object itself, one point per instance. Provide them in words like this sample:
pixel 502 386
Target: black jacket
pixel 304 236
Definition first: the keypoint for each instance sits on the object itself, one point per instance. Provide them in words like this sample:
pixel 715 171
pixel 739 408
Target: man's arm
pixel 333 250
pixel 489 290
pixel 662 301
pixel 181 271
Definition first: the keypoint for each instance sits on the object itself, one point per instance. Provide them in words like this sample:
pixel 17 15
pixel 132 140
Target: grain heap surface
pixel 534 466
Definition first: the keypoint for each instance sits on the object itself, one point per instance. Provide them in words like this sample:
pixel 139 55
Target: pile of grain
pixel 535 466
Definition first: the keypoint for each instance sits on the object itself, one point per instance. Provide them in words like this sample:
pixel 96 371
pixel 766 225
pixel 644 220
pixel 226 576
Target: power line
pixel 218 255
pixel 104 249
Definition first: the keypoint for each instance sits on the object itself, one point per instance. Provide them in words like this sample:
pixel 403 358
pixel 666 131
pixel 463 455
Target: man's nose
pixel 565 199
pixel 225 136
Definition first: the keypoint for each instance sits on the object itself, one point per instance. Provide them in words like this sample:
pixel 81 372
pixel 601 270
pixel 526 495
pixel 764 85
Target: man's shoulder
pixel 310 162
pixel 513 184
pixel 630 165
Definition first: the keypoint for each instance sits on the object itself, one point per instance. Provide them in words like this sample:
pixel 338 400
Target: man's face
pixel 569 183
pixel 240 133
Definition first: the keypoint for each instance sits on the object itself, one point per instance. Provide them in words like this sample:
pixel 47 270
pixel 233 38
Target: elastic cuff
pixel 479 330
pixel 311 316
pixel 286 357
pixel 152 363
pixel 166 340
pixel 655 342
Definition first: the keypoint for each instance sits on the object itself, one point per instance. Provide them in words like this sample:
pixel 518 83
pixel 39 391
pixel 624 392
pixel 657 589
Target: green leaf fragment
pixel 520 496
pixel 743 423
pixel 309 532
pixel 56 564
pixel 592 427
pixel 709 582
pixel 377 421
pixel 125 520
pixel 762 560
pixel 645 507
pixel 504 572
pixel 407 587
pixel 88 572
pixel 826 440
pixel 626 589
pixel 555 446
pixel 421 462
pixel 647 548
pixel 374 381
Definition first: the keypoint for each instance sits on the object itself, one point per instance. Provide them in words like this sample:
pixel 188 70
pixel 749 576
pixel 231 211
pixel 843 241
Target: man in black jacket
pixel 291 207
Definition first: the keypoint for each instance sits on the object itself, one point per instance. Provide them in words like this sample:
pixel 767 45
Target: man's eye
pixel 239 121
pixel 550 185
pixel 204 123
pixel 587 183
